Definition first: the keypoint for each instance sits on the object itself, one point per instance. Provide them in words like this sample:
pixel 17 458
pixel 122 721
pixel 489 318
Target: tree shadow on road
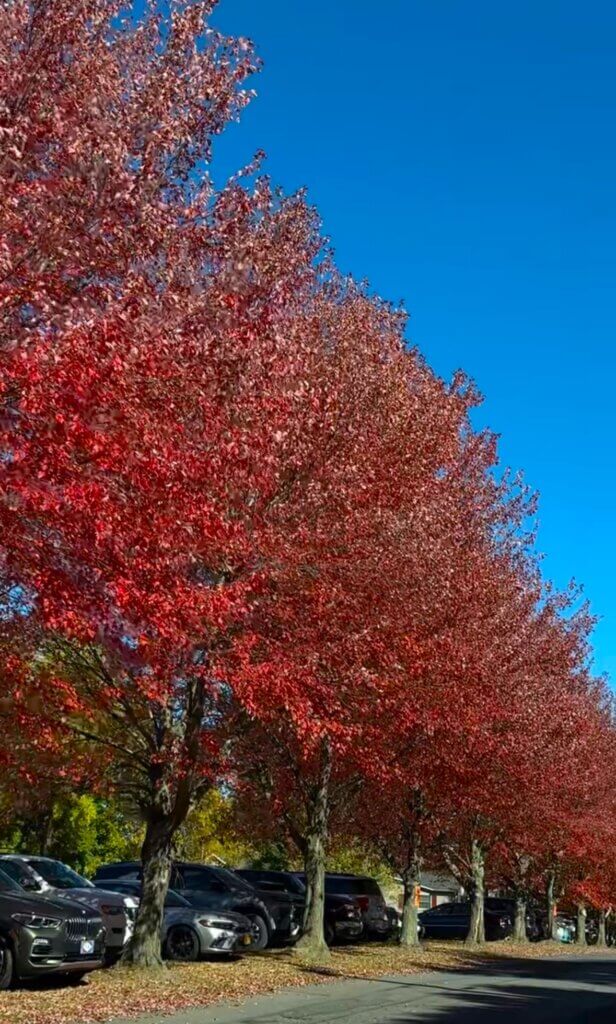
pixel 525 990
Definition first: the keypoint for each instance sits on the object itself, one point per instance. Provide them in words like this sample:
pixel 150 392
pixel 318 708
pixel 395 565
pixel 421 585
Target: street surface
pixel 559 991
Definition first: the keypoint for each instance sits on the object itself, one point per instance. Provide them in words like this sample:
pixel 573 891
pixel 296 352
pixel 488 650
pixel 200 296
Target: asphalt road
pixel 559 991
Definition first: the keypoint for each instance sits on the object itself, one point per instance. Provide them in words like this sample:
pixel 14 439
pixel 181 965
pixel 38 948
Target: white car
pixel 53 878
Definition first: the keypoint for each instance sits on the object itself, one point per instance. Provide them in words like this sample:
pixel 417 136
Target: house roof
pixel 442 882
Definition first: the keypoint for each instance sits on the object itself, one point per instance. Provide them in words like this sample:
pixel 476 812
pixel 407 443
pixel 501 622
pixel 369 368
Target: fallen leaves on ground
pixel 127 992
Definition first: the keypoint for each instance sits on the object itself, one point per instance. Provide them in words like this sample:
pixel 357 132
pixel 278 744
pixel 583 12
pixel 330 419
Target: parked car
pixel 273 915
pixel 565 928
pixel 342 915
pixel 452 920
pixel 367 894
pixel 43 936
pixel 187 933
pixel 52 878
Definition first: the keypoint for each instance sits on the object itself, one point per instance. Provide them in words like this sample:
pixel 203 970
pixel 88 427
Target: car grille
pixel 83 927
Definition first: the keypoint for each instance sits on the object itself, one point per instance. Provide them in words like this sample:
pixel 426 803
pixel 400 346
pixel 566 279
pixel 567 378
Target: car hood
pixel 91 897
pixel 44 905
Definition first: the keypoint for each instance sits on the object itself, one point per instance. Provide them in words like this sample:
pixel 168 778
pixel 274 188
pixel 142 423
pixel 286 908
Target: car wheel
pixel 7 966
pixel 260 934
pixel 330 935
pixel 182 943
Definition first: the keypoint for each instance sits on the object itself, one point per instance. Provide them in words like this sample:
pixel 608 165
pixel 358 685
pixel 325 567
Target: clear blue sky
pixel 462 154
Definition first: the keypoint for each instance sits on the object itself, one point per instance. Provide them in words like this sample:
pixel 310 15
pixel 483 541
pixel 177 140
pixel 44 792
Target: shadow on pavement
pixel 572 990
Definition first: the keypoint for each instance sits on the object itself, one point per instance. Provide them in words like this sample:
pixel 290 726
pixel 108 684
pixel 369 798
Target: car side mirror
pixel 30 885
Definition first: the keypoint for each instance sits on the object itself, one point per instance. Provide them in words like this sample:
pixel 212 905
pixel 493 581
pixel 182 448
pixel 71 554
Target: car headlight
pixel 214 922
pixel 111 908
pixel 37 921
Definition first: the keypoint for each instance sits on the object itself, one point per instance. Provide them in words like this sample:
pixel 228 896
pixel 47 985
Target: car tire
pixel 182 943
pixel 329 933
pixel 7 966
pixel 260 933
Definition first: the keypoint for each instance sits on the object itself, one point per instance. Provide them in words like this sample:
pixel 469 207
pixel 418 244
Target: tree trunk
pixel 312 942
pixel 144 947
pixel 551 905
pixel 580 936
pixel 519 921
pixel 410 910
pixel 602 931
pixel 476 932
pixel 47 834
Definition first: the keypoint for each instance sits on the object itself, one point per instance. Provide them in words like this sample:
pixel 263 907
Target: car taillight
pixel 351 909
pixel 363 903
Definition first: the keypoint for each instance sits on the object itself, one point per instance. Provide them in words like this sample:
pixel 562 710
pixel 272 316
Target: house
pixel 436 888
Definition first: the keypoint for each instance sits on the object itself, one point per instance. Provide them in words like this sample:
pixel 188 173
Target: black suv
pixel 342 915
pixel 274 917
pixel 366 893
pixel 43 936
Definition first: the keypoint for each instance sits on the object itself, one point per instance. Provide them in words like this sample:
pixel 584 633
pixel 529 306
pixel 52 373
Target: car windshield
pixel 7 884
pixel 230 878
pixel 59 875
pixel 173 899
pixel 124 889
pixel 276 882
pixel 341 885
pixel 293 884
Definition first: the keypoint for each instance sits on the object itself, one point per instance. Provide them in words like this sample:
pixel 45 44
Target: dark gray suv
pixel 43 936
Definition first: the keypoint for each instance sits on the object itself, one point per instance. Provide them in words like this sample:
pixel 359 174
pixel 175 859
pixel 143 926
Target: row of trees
pixel 247 536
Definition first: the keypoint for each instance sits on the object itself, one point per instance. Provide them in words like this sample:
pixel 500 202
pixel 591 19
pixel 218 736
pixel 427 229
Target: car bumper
pixel 37 954
pixel 224 940
pixel 348 929
pixel 378 929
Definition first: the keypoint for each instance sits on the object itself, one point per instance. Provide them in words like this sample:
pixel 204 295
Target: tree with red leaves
pixel 235 507
pixel 157 340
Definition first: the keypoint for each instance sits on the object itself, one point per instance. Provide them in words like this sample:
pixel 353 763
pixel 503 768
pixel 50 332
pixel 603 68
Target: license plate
pixel 87 947
pixel 246 940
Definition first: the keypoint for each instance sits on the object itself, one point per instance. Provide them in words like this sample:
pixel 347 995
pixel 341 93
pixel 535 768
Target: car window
pixel 8 884
pixel 127 871
pixel 18 872
pixel 370 886
pixel 447 909
pixel 285 882
pixel 201 878
pixel 343 886
pixel 58 874
pixel 492 903
pixel 268 885
pixel 232 880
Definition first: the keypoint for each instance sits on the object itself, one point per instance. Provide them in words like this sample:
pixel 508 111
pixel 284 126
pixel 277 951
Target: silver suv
pixel 54 879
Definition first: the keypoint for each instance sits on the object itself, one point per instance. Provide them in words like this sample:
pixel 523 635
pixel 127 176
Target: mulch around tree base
pixel 123 992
